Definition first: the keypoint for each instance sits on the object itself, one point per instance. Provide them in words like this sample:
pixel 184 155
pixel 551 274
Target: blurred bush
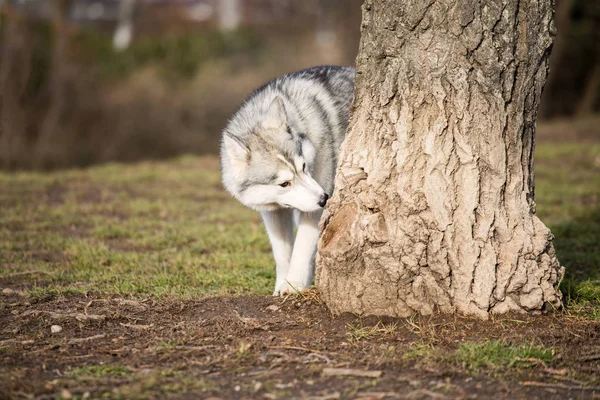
pixel 68 98
pixel 178 56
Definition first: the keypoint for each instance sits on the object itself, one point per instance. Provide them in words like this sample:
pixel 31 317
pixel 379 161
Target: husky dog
pixel 279 156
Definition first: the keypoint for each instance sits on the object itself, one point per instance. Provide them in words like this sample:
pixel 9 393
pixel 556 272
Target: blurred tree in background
pixel 574 80
pixel 89 81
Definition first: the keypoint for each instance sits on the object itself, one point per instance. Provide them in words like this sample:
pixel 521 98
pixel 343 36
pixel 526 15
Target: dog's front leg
pixel 302 264
pixel 280 228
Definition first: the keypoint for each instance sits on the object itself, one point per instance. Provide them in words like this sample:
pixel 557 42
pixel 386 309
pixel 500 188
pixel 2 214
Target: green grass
pixel 357 331
pixel 496 355
pixel 419 351
pixel 178 56
pixel 568 202
pixel 132 384
pixel 168 228
pixel 491 356
pixel 156 229
pixel 100 371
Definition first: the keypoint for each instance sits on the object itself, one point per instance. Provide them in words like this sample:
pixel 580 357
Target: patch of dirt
pixel 270 348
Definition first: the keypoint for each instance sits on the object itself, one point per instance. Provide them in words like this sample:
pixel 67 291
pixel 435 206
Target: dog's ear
pixel 237 152
pixel 276 116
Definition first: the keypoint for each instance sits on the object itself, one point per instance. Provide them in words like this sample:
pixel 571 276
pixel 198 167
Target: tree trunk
pixel 124 30
pixel 590 93
pixel 48 147
pixel 433 207
pixel 15 61
pixel 563 23
pixel 229 13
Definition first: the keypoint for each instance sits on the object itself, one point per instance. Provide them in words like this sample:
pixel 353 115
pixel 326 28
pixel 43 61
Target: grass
pixel 146 229
pixel 133 384
pixel 357 330
pixel 100 371
pixel 168 229
pixel 475 357
pixel 493 356
pixel 178 56
pixel 497 355
pixel 419 351
pixel 568 202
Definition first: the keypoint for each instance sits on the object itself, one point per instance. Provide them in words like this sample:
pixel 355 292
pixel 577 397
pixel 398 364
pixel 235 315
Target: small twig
pixel 420 393
pixel 592 357
pixel 89 303
pixel 330 396
pixel 138 327
pixel 55 315
pixel 30 272
pixel 415 326
pixel 194 348
pixel 15 341
pixel 567 379
pixel 351 372
pixel 85 308
pixel 559 386
pixel 131 303
pixel 286 297
pixel 86 339
pixel 532 360
pixel 298 348
pixel 573 333
pixel 378 395
pixel 319 356
pixel 552 371
pixel 80 357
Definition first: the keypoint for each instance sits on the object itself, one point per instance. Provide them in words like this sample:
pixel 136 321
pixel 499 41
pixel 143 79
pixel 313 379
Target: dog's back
pixel 324 92
pixel 320 98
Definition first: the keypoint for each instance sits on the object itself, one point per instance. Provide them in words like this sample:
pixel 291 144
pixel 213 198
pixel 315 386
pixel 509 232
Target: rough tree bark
pixel 434 201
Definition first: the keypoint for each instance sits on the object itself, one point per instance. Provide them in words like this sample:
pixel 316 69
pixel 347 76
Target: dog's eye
pixel 304 167
pixel 284 184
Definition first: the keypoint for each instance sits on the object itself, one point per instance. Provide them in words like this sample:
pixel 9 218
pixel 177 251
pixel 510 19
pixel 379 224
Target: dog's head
pixel 270 167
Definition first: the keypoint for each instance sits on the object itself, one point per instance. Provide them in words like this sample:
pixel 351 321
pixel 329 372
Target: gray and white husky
pixel 279 156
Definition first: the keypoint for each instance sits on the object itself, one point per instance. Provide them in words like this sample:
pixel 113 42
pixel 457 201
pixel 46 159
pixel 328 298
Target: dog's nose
pixel 323 200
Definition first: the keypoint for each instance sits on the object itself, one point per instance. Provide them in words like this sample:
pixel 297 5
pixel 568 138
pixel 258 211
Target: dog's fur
pixel 279 156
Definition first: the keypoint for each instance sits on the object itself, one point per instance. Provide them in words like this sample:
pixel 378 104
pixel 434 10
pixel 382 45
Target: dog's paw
pixel 289 288
pixel 278 287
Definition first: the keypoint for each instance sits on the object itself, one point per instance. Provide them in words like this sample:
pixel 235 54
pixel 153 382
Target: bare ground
pixel 133 265
pixel 265 347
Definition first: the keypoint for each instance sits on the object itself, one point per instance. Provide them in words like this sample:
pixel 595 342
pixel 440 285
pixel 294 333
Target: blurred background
pixel 90 81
